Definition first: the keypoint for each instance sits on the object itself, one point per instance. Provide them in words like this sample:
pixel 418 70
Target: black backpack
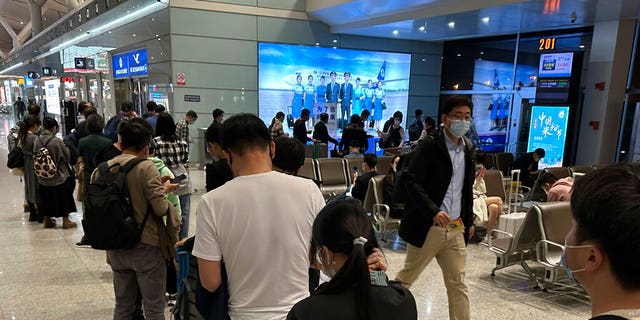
pixel 109 221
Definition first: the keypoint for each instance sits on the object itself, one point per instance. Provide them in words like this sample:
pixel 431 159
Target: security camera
pixel 573 17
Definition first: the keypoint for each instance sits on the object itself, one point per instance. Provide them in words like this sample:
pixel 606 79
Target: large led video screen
pixel 491 110
pixel 292 77
pixel 548 130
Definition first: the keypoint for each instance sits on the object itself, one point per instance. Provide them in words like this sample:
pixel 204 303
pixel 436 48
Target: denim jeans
pixel 185 206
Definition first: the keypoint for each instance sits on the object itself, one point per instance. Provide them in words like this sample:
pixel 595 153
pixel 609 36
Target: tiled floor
pixel 44 276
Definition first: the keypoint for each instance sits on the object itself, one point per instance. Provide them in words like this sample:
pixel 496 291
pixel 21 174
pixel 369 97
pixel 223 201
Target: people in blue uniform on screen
pixel 333 89
pixel 321 91
pixel 358 97
pixel 378 101
pixel 309 95
pixel 298 96
pixel 346 96
pixel 368 96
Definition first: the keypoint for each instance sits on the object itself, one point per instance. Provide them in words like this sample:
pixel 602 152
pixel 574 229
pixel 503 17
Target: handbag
pixel 15 158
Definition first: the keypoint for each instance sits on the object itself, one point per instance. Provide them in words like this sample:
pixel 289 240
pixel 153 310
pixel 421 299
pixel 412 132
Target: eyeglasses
pixel 459 116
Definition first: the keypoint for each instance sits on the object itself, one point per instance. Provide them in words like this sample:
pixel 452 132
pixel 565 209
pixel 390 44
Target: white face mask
pixel 397 122
pixel 459 128
pixel 328 268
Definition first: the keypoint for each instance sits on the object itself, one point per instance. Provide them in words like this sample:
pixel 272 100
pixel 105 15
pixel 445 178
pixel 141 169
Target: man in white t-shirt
pixel 260 222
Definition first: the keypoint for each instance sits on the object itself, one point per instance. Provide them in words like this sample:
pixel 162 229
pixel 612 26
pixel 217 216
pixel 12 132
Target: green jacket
pixel 166 172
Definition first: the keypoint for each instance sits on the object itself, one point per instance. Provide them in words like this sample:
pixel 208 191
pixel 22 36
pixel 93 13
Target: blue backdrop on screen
pixel 548 130
pixel 280 64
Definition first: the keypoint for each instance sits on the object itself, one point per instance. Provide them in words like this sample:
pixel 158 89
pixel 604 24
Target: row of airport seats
pixel 336 174
pixel 539 239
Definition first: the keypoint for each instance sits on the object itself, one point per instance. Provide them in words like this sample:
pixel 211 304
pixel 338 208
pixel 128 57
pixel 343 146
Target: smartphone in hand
pixel 179 178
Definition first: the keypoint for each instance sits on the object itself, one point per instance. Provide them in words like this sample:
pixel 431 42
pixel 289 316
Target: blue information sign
pixel 548 130
pixel 130 64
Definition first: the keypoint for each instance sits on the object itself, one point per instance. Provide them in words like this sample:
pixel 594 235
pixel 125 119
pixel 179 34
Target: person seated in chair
pixel 353 132
pixel 487 209
pixel 343 238
pixel 361 182
pixel 556 189
pixel 354 150
pixel 528 165
pixel 602 248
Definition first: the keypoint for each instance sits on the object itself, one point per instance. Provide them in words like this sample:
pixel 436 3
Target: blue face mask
pixel 563 260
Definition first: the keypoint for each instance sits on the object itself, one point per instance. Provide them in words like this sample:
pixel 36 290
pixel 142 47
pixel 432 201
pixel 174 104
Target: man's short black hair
pixel 126 106
pixel 418 112
pixel 81 106
pixel 289 154
pixel 333 73
pixel 214 134
pixel 151 106
pixel 160 108
pixel 605 204
pixel 324 117
pixel 481 157
pixel 365 114
pixel 243 132
pixel 371 160
pixel 192 114
pixel 430 121
pixel 305 112
pixel 540 152
pixel 355 119
pixel 89 110
pixel 33 109
pixel 95 123
pixel 355 143
pixel 347 74
pixel 397 114
pixel 135 134
pixel 456 101
pixel 547 177
pixel 217 112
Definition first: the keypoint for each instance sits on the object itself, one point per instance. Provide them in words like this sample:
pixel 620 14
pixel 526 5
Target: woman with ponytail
pixel 343 236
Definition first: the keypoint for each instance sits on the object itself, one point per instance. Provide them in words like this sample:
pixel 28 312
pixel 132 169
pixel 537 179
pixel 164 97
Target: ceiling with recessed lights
pixel 437 20
pixel 15 14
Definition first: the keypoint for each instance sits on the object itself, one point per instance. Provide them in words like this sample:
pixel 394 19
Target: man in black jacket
pixel 300 127
pixel 320 131
pixel 361 182
pixel 439 210
pixel 528 165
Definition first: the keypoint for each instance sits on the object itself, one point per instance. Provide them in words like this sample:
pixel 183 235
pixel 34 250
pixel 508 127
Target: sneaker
pixel 172 300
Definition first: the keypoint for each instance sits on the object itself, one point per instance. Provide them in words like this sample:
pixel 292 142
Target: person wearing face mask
pixel 344 238
pixel 393 133
pixel 182 127
pixel 556 189
pixel 55 194
pixel 438 218
pixel 602 248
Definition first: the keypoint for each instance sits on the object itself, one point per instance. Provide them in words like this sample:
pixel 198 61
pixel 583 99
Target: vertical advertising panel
pixel 548 130
pixel 52 90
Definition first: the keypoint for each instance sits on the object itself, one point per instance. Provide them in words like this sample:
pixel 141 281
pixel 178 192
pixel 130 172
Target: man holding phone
pixel 361 182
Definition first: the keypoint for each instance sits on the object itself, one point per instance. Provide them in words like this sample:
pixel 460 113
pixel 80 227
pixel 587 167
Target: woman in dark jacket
pixel 388 183
pixel 344 237
pixel 26 140
pixel 55 194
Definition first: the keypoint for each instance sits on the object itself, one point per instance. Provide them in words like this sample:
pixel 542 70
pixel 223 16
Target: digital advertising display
pixel 548 130
pixel 292 77
pixel 555 65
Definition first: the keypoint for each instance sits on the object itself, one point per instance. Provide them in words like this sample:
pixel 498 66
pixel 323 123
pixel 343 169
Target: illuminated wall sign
pixel 547 44
pixel 52 89
pixel 28 82
pixel 555 65
pixel 548 130
pixel 130 64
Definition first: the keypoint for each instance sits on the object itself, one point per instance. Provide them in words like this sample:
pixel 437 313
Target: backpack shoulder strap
pixel 130 164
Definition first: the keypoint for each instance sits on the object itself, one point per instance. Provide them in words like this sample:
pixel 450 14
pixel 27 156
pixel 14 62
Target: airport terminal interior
pixel 561 75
